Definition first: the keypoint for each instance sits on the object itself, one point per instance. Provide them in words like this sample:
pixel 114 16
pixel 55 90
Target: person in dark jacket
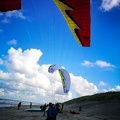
pixel 19 105
pixel 30 104
pixel 51 112
pixel 44 109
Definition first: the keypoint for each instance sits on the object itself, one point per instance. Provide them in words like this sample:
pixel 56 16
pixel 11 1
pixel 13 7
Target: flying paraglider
pixel 77 16
pixel 65 77
pixel 9 5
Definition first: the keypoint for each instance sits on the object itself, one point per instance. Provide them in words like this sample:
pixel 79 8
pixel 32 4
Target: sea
pixel 12 103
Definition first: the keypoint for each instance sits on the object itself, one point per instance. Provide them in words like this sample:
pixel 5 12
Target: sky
pixel 33 38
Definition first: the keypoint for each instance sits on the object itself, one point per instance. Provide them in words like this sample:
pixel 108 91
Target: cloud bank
pixel 25 79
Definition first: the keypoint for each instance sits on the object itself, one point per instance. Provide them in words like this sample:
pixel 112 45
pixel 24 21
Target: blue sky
pixel 33 38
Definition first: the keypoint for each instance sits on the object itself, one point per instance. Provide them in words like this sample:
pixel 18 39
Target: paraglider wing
pixel 77 16
pixel 65 80
pixel 53 68
pixel 64 75
pixel 9 5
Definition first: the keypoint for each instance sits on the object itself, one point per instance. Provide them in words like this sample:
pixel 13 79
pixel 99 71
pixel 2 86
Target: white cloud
pixel 87 63
pixel 27 80
pixel 117 88
pixel 23 62
pixel 12 42
pixel 1 61
pixel 99 63
pixel 109 4
pixel 5 20
pixel 1 91
pixel 104 64
pixel 4 76
pixel 6 17
pixel 16 14
pixel 102 83
pixel 82 86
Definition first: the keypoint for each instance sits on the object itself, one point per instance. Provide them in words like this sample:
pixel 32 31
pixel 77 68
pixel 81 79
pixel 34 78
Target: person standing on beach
pixel 44 109
pixel 19 105
pixel 30 104
pixel 51 112
pixel 62 107
pixel 80 108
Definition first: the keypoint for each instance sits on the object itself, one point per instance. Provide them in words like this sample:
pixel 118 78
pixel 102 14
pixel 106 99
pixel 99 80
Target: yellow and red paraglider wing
pixel 77 16
pixel 9 5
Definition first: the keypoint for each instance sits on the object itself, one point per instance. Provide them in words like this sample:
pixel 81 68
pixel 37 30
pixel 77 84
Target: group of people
pixel 19 105
pixel 51 110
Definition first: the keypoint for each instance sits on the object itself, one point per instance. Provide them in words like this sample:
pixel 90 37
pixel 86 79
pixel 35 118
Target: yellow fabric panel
pixel 62 77
pixel 69 21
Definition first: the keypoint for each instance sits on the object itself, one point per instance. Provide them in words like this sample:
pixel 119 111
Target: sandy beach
pixel 90 111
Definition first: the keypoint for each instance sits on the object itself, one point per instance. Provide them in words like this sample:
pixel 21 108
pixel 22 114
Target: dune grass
pixel 101 97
